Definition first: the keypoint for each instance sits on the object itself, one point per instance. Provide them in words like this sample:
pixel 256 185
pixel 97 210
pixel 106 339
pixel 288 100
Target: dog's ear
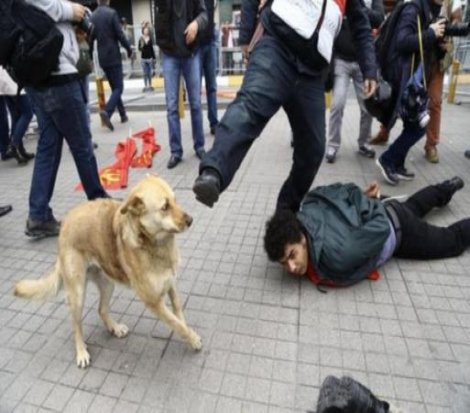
pixel 134 205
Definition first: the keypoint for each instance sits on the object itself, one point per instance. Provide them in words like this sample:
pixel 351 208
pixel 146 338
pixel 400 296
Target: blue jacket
pixel 356 12
pixel 404 44
pixel 109 34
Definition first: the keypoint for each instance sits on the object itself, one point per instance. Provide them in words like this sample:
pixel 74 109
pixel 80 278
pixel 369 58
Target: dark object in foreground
pixel 5 209
pixel 347 395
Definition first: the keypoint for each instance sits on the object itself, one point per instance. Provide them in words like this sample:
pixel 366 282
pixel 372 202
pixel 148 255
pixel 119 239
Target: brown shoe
pixel 381 138
pixel 431 154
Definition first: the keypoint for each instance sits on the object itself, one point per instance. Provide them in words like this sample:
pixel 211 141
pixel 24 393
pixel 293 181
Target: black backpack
pixel 30 42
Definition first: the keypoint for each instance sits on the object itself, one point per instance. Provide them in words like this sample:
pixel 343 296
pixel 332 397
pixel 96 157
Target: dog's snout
pixel 188 219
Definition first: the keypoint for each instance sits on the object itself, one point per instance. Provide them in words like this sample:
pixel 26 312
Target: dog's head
pixel 152 206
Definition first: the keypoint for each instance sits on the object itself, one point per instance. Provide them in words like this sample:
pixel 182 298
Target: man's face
pixel 295 259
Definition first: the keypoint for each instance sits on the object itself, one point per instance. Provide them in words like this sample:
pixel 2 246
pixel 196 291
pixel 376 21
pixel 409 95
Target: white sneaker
pixel 330 155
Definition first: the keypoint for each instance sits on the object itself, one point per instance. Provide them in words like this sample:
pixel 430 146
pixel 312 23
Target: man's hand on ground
pixel 373 190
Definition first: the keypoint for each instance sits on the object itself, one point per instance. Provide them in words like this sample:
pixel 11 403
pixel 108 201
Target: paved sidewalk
pixel 269 339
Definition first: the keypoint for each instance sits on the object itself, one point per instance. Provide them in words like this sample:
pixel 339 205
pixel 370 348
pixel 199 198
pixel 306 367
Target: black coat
pixel 109 34
pixel 171 19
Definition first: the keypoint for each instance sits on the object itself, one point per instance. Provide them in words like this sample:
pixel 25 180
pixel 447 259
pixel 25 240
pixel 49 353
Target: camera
pixel 455 29
pixel 86 24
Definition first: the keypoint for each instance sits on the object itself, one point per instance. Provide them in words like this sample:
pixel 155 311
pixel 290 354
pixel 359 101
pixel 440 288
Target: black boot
pixel 23 153
pixel 13 151
pixel 453 185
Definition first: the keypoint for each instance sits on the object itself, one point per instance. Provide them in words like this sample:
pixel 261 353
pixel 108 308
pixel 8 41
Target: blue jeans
pixel 208 70
pixel 4 128
pixel 21 114
pixel 61 113
pixel 173 68
pixel 116 82
pixel 273 80
pixel 147 71
pixel 396 153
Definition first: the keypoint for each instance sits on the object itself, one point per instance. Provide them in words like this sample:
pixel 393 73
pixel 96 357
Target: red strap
pixel 313 276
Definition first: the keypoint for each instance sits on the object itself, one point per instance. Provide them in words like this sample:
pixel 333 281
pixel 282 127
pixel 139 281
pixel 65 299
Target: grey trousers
pixel 344 72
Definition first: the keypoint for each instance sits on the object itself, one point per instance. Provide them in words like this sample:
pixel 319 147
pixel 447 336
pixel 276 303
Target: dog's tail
pixel 42 288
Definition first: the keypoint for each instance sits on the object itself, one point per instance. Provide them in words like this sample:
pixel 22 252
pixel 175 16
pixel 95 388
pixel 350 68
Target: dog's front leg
pixel 176 302
pixel 177 325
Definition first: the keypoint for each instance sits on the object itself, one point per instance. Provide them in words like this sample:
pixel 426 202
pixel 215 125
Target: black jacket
pixel 356 14
pixel 109 34
pixel 207 35
pixel 171 19
pixel 344 45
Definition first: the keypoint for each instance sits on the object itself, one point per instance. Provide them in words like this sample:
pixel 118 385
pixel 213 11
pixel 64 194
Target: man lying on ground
pixel 342 234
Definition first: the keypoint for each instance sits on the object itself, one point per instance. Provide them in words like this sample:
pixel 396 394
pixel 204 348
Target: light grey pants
pixel 344 72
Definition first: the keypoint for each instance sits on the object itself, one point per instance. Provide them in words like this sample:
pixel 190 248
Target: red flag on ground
pixel 149 148
pixel 116 175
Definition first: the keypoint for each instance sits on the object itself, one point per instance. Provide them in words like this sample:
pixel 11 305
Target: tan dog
pixel 132 243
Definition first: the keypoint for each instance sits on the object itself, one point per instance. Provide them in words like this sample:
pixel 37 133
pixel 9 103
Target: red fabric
pixel 149 148
pixel 342 5
pixel 313 276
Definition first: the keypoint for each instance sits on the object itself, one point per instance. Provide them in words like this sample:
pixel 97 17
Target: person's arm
pixel 198 24
pixel 407 31
pixel 60 10
pixel 376 13
pixel 119 33
pixel 361 31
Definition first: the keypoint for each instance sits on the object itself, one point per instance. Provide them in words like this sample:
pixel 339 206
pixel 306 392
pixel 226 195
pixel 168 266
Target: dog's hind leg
pixel 74 277
pixel 106 288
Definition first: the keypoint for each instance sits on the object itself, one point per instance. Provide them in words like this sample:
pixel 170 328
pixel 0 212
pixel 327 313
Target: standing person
pixel 403 56
pixel 178 24
pixel 20 114
pixel 61 112
pixel 346 68
pixel 109 34
pixel 452 10
pixel 284 70
pixel 147 57
pixel 208 41
pixel 341 234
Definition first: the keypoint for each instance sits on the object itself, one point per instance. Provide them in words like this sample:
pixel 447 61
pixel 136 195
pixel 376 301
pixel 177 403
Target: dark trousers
pixel 396 153
pixel 421 240
pixel 116 82
pixel 272 80
pixel 4 127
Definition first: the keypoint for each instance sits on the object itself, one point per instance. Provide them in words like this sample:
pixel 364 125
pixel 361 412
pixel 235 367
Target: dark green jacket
pixel 346 231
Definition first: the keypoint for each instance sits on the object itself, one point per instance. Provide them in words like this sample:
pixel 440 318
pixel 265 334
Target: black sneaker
pixel 207 187
pixel 106 121
pixel 200 153
pixel 388 172
pixel 42 229
pixel 404 174
pixel 467 153
pixel 330 155
pixel 366 151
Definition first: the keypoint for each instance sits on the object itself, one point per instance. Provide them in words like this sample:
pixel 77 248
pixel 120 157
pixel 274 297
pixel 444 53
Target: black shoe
pixel 364 150
pixel 174 160
pixel 22 151
pixel 106 121
pixel 467 153
pixel 124 119
pixel 6 156
pixel 14 152
pixel 387 171
pixel 404 174
pixel 200 153
pixel 5 209
pixel 454 184
pixel 212 130
pixel 207 187
pixel 42 229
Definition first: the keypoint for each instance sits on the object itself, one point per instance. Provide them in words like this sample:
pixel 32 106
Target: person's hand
pixel 373 190
pixel 191 32
pixel 369 87
pixel 245 54
pixel 438 28
pixel 78 12
pixel 445 45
